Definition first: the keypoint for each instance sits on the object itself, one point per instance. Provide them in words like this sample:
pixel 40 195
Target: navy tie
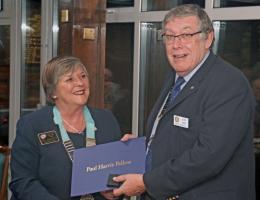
pixel 176 88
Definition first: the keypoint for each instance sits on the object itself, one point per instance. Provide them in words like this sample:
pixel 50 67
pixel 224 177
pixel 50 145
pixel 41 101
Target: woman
pixel 42 152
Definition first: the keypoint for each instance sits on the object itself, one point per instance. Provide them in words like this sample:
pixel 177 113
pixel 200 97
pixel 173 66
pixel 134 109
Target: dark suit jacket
pixel 43 172
pixel 213 158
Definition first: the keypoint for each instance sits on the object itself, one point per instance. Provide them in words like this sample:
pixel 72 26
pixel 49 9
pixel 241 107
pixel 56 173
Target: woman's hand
pixel 127 137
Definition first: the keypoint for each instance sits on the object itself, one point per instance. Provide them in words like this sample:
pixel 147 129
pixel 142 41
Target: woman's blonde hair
pixel 54 69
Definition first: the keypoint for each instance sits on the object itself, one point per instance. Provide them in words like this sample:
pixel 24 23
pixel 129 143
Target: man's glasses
pixel 184 38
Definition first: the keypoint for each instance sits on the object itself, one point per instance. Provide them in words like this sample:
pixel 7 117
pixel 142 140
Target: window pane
pixel 239 44
pixel 119 72
pixel 120 3
pixel 235 3
pixel 153 69
pixel 31 42
pixel 4 82
pixel 156 5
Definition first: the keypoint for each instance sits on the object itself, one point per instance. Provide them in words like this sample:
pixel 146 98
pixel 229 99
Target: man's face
pixel 184 54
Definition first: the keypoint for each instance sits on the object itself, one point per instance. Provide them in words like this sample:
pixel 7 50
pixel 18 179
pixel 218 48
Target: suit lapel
pixel 190 88
pixel 194 83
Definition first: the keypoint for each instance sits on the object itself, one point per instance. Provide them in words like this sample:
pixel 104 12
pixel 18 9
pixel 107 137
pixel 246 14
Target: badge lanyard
pixel 69 146
pixel 90 130
pixel 156 122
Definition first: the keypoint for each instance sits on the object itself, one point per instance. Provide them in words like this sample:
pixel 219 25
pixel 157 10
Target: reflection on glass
pixel 235 3
pixel 119 72
pixel 156 5
pixel 120 3
pixel 154 66
pixel 31 41
pixel 4 82
pixel 239 43
pixel 55 28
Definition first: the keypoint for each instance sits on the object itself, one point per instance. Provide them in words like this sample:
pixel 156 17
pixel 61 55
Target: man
pixel 200 144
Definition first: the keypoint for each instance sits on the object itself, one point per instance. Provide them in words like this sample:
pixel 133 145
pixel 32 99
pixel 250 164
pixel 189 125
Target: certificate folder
pixel 93 165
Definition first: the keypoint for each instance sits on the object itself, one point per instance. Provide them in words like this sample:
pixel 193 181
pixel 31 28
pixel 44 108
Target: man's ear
pixel 210 39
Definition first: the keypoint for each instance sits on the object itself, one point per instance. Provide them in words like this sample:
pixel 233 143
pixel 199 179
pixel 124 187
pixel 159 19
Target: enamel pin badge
pixel 48 137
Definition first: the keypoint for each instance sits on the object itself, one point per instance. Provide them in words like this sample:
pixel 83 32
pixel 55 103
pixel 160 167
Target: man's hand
pixel 109 195
pixel 132 185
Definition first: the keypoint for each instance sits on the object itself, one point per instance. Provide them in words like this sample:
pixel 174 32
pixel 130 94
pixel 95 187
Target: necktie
pixel 176 88
pixel 173 94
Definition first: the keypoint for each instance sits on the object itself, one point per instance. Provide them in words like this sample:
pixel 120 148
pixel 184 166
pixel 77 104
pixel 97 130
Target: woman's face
pixel 72 89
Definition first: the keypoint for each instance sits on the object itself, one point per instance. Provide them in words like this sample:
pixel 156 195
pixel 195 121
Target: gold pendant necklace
pixel 72 127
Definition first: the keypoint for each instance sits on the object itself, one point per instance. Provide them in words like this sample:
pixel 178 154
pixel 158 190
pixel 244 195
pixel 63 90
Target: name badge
pixel 180 121
pixel 48 137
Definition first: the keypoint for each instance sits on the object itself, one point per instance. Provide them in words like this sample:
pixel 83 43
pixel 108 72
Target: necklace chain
pixel 72 127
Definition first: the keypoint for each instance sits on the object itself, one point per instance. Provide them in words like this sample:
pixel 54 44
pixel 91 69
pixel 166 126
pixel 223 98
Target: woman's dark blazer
pixel 43 172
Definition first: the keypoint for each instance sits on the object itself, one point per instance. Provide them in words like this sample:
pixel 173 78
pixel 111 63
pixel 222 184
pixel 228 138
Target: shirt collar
pixel 189 75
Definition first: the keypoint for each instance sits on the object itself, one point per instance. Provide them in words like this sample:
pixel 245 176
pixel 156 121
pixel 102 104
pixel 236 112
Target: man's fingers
pixel 120 178
pixel 118 192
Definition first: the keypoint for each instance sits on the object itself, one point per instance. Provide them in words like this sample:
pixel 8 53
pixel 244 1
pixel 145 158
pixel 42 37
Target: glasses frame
pixel 167 38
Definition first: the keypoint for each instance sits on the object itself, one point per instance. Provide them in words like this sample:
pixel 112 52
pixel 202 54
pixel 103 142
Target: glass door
pixel 30 55
pixel 4 82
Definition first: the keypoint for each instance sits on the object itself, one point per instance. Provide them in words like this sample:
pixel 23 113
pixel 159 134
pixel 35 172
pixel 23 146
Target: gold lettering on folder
pixel 102 166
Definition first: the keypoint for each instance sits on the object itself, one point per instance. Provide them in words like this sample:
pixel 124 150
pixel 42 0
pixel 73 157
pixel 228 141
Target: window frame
pixel 136 16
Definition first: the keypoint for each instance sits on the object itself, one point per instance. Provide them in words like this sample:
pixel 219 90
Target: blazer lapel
pixel 188 90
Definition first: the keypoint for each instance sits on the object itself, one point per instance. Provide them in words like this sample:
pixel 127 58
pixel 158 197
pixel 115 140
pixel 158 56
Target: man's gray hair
pixel 186 10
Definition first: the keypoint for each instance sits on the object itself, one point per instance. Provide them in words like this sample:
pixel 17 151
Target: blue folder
pixel 92 165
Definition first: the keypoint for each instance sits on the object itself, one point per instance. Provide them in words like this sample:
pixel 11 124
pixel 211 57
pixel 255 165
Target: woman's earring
pixel 54 97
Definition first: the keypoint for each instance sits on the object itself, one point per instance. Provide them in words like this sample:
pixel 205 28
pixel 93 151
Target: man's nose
pixel 176 43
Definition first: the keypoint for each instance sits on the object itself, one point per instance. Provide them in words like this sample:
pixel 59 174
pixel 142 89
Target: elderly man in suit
pixel 199 132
